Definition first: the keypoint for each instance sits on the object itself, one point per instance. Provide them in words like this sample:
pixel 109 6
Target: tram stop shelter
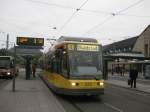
pixel 124 59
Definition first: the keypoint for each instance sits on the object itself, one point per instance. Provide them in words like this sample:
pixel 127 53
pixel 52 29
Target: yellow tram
pixel 73 66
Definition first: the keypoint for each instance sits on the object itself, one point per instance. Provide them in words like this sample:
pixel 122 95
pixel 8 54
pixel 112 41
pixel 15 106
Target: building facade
pixel 129 50
pixel 143 43
pixel 139 45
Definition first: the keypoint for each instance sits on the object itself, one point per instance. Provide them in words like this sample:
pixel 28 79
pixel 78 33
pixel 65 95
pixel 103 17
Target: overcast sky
pixel 106 20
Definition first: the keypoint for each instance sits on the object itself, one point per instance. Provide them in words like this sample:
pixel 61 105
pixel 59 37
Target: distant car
pixel 7 67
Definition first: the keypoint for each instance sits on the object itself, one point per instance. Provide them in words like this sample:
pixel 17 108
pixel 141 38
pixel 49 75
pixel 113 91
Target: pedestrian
pixel 133 76
pixel 33 69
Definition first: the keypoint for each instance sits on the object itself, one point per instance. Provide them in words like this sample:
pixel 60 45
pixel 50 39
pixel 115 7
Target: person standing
pixel 133 76
pixel 33 69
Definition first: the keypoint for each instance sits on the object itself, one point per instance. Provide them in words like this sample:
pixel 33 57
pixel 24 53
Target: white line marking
pixel 113 107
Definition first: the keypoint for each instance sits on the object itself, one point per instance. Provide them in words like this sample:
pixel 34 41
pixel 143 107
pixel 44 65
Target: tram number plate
pixel 88 84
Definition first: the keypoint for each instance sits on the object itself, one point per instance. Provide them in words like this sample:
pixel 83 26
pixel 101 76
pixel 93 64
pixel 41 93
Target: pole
pixel 28 69
pixel 105 72
pixel 14 76
pixel 7 42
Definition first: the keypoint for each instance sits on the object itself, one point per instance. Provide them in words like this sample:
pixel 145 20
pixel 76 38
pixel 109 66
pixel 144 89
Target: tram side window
pixel 64 64
pixel 49 64
pixel 58 57
pixel 54 65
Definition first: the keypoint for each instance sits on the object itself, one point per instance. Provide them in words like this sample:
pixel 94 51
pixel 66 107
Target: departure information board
pixel 30 41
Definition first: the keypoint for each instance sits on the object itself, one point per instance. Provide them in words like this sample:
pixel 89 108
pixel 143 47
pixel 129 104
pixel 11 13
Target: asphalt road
pixel 4 82
pixel 115 99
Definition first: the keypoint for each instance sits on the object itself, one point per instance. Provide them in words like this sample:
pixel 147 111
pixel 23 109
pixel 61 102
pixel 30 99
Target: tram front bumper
pixel 79 92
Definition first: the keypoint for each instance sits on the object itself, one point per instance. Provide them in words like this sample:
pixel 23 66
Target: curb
pixel 128 88
pixel 44 81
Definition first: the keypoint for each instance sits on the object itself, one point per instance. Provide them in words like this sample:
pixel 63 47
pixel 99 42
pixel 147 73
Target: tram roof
pixel 76 39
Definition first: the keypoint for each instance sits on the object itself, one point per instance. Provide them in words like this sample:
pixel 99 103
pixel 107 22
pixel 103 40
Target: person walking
pixel 133 76
pixel 33 69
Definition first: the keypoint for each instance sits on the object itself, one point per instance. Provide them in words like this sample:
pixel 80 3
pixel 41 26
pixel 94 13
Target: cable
pixel 70 18
pixel 114 14
pixel 96 11
pixel 134 15
pixel 136 3
pixel 61 6
pixel 100 24
pixel 50 4
pixel 83 4
pixel 67 7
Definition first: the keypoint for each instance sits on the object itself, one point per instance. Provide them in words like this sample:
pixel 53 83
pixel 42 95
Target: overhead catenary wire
pixel 50 4
pixel 71 17
pixel 130 6
pixel 83 4
pixel 96 11
pixel 113 15
pixel 67 7
pixel 101 23
pixel 132 15
pixel 120 12
pixel 90 10
pixel 68 20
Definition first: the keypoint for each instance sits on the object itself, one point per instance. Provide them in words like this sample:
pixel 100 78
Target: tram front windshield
pixel 85 64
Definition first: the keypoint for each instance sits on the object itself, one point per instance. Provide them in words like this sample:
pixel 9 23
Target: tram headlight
pixel 100 83
pixel 8 73
pixel 73 84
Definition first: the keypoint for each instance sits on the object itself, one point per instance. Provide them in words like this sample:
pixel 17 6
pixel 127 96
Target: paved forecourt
pixel 30 96
pixel 123 83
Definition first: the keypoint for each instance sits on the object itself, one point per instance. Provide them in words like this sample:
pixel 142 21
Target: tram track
pixel 79 109
pixel 86 104
pixel 115 99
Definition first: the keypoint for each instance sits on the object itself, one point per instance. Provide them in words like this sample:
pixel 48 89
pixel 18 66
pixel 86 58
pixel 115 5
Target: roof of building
pixel 121 44
pixel 145 30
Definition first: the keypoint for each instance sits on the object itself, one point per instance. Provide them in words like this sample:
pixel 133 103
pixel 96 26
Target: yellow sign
pixel 23 40
pixel 82 47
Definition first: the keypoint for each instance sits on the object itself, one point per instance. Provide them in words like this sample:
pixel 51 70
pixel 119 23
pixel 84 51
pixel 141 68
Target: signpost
pixel 27 47
pixel 29 41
